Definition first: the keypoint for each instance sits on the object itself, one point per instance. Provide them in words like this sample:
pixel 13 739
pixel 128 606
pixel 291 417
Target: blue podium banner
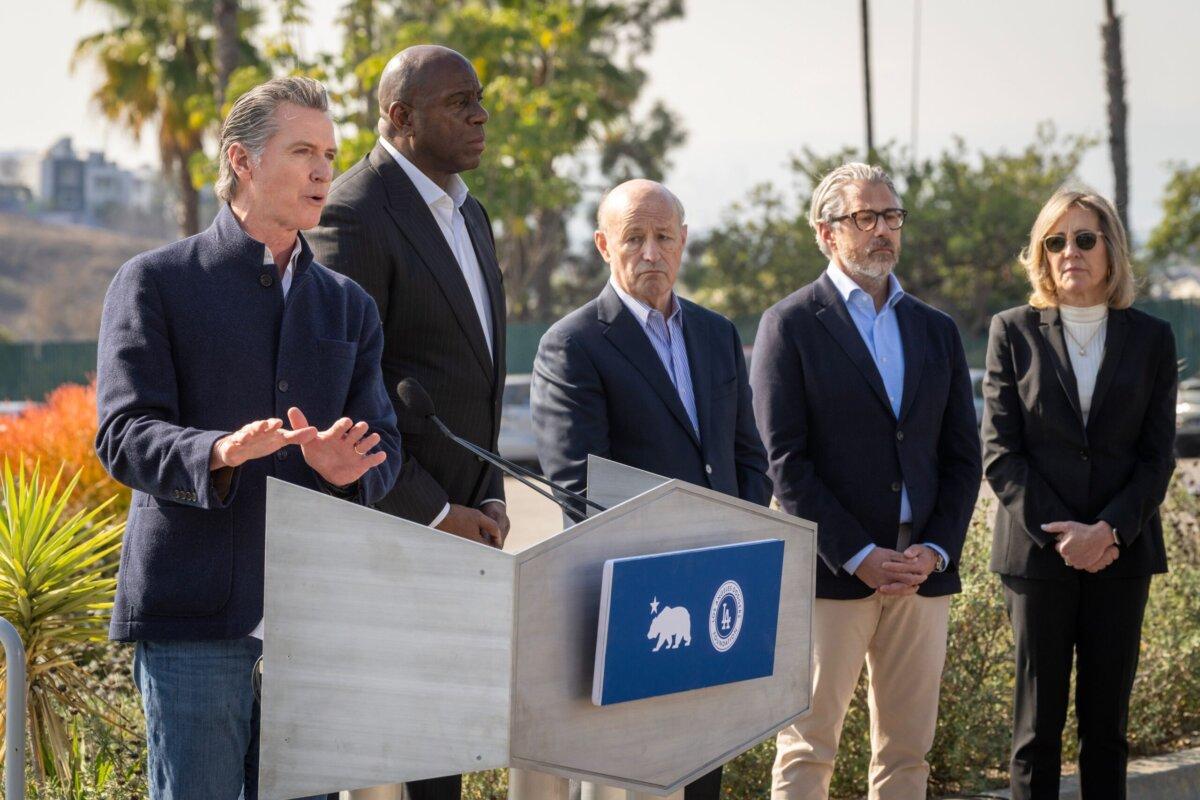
pixel 684 620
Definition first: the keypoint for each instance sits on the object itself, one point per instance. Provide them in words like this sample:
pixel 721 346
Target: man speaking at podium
pixel 645 378
pixel 206 346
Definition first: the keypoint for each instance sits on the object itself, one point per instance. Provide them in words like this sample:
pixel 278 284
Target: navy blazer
pixel 197 340
pixel 839 456
pixel 600 388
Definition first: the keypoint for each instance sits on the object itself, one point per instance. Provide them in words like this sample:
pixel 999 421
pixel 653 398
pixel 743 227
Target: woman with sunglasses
pixel 1078 432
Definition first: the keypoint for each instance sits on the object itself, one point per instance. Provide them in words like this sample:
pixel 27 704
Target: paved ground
pixel 534 517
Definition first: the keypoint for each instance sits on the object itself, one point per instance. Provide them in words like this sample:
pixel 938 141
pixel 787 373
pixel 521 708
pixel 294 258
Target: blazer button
pixel 281 454
pixel 1083 455
pixel 896 486
pixel 708 468
pixel 282 386
pixel 899 436
pixel 266 279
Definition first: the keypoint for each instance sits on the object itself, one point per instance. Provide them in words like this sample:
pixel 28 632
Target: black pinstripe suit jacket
pixel 378 230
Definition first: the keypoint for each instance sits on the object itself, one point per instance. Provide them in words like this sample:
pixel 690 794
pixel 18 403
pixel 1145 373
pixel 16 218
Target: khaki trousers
pixel 903 640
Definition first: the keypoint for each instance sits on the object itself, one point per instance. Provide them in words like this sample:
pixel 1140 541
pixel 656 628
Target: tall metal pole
pixel 14 734
pixel 866 43
pixel 916 78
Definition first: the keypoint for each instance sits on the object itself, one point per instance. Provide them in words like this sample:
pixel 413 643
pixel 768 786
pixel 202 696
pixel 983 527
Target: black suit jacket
pixel 599 387
pixel 378 230
pixel 1047 466
pixel 838 453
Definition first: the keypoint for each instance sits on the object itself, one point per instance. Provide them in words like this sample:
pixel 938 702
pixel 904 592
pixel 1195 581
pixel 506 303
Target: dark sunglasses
pixel 1057 242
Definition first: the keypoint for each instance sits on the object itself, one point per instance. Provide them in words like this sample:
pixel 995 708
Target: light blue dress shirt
pixel 880 332
pixel 666 336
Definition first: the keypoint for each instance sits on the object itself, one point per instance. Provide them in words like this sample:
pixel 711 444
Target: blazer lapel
pixel 485 252
pixel 1114 342
pixel 1050 327
pixel 699 349
pixel 912 339
pixel 416 222
pixel 627 336
pixel 836 319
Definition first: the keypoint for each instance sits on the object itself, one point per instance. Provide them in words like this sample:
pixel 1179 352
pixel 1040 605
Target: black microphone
pixel 417 402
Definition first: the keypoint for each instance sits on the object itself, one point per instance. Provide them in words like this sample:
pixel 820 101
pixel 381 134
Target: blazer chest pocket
pixel 178 561
pixel 336 348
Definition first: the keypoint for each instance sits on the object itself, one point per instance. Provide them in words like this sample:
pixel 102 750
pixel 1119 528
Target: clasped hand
pixel 890 572
pixel 340 454
pixel 1087 547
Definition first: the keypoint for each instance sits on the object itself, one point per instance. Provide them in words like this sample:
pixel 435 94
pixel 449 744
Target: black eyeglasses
pixel 1057 242
pixel 866 219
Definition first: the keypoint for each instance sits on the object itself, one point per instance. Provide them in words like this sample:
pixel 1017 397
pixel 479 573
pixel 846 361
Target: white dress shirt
pixel 447 210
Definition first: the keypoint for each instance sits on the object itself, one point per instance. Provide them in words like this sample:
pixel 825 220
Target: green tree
pixel 1178 234
pixel 157 69
pixel 969 217
pixel 560 92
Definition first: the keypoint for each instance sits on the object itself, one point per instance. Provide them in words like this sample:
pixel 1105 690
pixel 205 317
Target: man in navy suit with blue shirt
pixel 206 346
pixel 643 377
pixel 863 398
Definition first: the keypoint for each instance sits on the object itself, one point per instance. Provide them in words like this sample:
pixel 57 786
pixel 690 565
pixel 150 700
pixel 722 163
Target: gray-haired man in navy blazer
pixel 643 377
pixel 864 401
pixel 206 346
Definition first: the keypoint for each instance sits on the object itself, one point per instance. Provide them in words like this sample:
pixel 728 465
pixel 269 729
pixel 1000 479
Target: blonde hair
pixel 1121 289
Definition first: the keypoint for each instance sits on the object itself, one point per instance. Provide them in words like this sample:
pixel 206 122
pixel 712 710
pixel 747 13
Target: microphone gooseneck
pixel 414 400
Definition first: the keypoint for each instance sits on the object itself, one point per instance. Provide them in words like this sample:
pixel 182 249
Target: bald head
pixel 411 76
pixel 641 235
pixel 635 193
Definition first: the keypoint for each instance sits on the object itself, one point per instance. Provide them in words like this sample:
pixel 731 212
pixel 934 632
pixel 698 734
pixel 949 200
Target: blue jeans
pixel 201 718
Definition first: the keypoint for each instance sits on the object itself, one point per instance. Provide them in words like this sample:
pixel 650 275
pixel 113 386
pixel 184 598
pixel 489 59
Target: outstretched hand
pixel 255 440
pixel 341 454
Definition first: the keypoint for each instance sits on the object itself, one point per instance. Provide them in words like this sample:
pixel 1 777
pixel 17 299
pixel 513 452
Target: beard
pixel 872 262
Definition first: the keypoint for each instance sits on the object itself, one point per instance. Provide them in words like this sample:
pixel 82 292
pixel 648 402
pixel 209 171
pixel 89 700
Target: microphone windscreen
pixel 414 399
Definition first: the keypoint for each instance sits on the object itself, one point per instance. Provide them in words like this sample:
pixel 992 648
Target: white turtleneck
pixel 1084 330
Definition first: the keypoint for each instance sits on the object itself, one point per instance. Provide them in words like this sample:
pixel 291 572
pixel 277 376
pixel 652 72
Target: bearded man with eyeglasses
pixel 863 399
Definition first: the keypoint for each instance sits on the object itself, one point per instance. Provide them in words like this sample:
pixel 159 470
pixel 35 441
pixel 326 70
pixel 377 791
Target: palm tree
pixel 1114 70
pixel 158 68
pixel 225 18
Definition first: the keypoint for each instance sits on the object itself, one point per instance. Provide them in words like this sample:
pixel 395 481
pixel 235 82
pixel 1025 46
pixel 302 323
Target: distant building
pixel 91 190
pixel 15 198
pixel 20 169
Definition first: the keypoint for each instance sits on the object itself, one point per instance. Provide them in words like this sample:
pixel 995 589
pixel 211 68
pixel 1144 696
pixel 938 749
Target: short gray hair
pixel 829 198
pixel 251 121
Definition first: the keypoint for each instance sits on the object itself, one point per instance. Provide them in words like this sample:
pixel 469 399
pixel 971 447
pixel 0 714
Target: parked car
pixel 977 393
pixel 1187 419
pixel 517 442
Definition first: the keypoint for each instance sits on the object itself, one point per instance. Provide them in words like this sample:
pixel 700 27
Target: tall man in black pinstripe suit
pixel 401 223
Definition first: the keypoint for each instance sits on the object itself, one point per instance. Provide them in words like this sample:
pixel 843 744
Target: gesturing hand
pixel 341 454
pixel 1081 546
pixel 255 440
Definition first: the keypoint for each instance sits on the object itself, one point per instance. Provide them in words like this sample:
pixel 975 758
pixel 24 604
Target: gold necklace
pixel 1083 345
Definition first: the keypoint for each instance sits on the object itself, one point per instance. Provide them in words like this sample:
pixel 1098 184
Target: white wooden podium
pixel 394 652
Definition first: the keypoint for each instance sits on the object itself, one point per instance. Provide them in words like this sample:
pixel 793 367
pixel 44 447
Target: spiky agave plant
pixel 56 588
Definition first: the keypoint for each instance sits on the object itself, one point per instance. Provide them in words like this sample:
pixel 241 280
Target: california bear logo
pixel 671 626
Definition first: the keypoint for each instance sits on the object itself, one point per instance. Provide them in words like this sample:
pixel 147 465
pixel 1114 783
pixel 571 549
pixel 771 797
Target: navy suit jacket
pixel 197 340
pixel 599 387
pixel 839 456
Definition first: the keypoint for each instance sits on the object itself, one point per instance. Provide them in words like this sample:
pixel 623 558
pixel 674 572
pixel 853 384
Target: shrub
pixel 57 592
pixel 62 430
